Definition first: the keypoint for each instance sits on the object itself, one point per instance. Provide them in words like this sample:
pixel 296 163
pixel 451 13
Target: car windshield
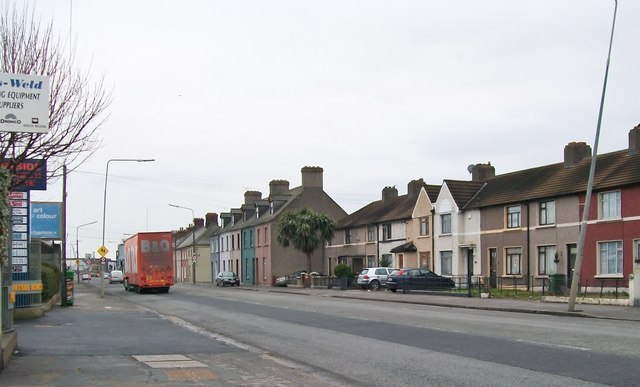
pixel 364 271
pixel 228 274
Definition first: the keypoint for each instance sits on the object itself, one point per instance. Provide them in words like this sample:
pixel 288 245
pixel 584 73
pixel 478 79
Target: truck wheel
pixel 138 290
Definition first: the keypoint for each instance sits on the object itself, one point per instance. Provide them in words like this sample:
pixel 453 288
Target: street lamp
pixel 592 171
pixel 104 211
pixel 78 247
pixel 193 236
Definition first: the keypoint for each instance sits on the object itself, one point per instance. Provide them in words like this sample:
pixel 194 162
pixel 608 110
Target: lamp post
pixel 193 241
pixel 78 248
pixel 592 171
pixel 104 211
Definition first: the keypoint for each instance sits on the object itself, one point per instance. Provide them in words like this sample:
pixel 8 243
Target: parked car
pixel 106 275
pixel 86 277
pixel 116 276
pixel 374 277
pixel 227 278
pixel 418 279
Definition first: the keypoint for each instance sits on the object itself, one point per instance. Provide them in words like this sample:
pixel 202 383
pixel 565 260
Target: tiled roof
pixel 463 191
pixel 615 169
pixel 432 192
pixel 397 208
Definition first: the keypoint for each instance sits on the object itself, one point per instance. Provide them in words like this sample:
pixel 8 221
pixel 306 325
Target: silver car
pixel 374 277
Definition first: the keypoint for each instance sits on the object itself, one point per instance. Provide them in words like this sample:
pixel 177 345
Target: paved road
pixel 107 342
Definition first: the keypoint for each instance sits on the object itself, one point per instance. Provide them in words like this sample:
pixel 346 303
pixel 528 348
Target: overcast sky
pixel 229 95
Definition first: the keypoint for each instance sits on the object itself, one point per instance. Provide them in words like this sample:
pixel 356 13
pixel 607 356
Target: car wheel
pixel 374 285
pixel 393 290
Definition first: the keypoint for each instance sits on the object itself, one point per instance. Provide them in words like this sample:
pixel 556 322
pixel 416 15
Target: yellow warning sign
pixel 103 251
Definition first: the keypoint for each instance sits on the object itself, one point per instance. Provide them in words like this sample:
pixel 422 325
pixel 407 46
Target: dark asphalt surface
pixel 106 342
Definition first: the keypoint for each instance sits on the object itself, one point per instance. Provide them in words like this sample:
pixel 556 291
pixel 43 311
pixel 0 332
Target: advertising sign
pixel 19 252
pixel 46 220
pixel 24 103
pixel 28 175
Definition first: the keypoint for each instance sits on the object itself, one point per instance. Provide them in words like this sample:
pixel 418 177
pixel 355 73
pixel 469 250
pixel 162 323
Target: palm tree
pixel 305 229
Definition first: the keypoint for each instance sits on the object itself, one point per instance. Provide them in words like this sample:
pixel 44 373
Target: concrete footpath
pixel 107 341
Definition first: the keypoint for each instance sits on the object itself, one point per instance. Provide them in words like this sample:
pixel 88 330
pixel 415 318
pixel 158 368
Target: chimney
pixel 389 193
pixel 277 187
pixel 211 219
pixel 634 140
pixel 575 152
pixel 311 177
pixel 250 197
pixel 413 188
pixel 482 172
pixel 198 222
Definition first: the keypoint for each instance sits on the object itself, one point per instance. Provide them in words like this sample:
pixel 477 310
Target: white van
pixel 115 276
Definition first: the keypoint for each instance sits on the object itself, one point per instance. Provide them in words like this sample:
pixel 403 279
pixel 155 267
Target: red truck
pixel 148 262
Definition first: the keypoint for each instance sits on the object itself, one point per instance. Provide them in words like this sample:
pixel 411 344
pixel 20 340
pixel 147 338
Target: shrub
pixel 342 270
pixel 50 281
pixel 385 260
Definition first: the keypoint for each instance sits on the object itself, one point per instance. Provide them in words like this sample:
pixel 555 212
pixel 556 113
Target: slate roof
pixel 613 170
pixel 462 191
pixel 432 191
pixel 405 248
pixel 397 208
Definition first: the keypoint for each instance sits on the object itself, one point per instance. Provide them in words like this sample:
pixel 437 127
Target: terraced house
pixel 396 227
pixel 247 241
pixel 529 219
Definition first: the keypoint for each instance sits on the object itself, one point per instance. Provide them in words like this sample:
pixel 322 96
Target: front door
pixel 572 254
pixel 493 268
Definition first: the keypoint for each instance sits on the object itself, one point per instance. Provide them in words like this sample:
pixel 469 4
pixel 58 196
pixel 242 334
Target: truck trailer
pixel 148 262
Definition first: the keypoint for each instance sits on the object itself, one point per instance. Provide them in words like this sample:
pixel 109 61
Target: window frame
pixel 386 231
pixel 544 211
pixel 424 225
pixel 602 208
pixel 347 236
pixel 445 219
pixel 619 258
pixel 510 255
pixel 546 260
pixel 446 255
pixel 513 219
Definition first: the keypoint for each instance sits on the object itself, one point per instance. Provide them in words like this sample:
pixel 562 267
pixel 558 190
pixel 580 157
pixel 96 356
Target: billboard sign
pixel 30 174
pixel 46 220
pixel 24 103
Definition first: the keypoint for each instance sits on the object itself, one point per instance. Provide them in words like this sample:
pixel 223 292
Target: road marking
pixel 169 361
pixel 554 345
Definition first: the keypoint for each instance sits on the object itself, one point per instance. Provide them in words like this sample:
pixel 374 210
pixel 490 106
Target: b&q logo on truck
pixel 162 246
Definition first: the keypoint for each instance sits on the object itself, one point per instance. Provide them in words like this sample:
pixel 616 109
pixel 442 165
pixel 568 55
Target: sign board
pixel 24 103
pixel 103 251
pixel 46 220
pixel 19 252
pixel 29 174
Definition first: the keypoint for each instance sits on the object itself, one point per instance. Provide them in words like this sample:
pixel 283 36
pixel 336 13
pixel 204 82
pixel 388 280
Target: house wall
pixel 423 243
pixel 398 237
pixel 625 229
pixel 263 253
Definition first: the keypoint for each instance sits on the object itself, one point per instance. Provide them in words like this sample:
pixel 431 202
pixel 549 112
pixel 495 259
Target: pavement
pixel 46 347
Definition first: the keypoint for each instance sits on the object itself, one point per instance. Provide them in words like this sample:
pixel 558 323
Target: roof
pixel 404 248
pixel 397 208
pixel 613 170
pixel 433 191
pixel 462 191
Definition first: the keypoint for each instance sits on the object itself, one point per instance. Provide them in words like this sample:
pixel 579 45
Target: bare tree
pixel 77 107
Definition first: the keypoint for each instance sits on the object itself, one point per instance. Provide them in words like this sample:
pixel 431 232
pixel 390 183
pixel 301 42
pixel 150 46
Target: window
pixel 371 260
pixel 446 262
pixel 233 242
pixel 266 238
pixel 513 257
pixel 546 260
pixel 386 231
pixel 251 237
pixel 636 249
pixel 424 226
pixel 371 233
pixel 513 216
pixel 227 242
pixel 258 235
pixel 547 212
pixel 610 255
pixel 347 236
pixel 445 221
pixel 609 205
pixel 264 268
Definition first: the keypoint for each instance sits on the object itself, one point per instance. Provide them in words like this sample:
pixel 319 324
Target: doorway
pixel 572 254
pixel 493 268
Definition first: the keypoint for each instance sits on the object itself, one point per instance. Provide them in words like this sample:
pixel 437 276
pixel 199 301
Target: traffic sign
pixel 194 257
pixel 103 251
pixel 103 260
